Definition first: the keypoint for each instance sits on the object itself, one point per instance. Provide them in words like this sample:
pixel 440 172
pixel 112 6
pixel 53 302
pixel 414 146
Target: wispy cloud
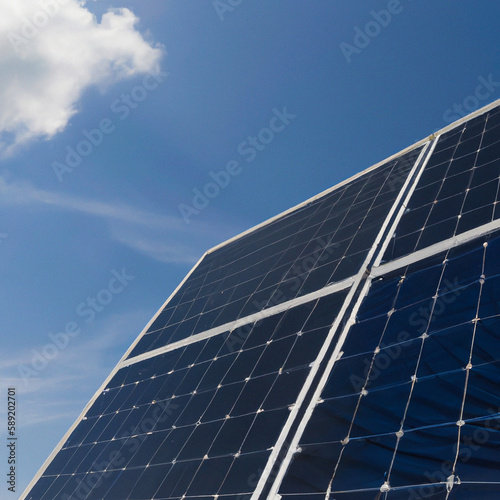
pixel 162 237
pixel 51 55
pixel 22 193
pixel 157 247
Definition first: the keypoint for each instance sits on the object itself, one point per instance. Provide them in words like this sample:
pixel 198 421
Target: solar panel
pixel 321 242
pixel 404 405
pixel 458 189
pixel 208 410
pixel 348 348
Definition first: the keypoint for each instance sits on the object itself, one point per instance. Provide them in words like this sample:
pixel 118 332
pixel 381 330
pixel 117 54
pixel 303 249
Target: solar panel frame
pixel 469 286
pixel 331 249
pixel 460 239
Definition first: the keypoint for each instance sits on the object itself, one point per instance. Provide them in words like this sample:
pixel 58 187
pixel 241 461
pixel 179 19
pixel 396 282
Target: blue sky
pixel 178 90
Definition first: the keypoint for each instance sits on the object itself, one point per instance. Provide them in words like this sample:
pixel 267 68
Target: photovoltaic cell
pixel 458 189
pixel 194 421
pixel 416 388
pixel 322 242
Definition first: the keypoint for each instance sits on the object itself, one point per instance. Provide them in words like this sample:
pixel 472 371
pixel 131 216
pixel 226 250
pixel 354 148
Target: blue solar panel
pixel 195 415
pixel 322 242
pixel 458 189
pixel 416 388
pixel 330 353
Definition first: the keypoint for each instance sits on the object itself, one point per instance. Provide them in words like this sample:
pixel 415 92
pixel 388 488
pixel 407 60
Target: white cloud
pixel 50 56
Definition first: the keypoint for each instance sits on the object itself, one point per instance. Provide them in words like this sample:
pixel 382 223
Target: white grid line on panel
pixel 427 156
pixel 102 387
pixel 124 362
pixel 377 271
pixel 467 374
pixel 272 310
pixel 423 339
pixel 252 318
pixel 419 164
pixel 442 246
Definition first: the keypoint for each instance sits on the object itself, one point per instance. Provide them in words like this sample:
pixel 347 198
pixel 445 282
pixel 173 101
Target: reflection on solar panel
pixel 347 349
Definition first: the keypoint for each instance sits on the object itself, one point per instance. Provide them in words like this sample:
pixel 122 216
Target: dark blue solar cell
pixel 434 174
pixel 412 467
pixel 200 440
pixel 456 175
pixel 42 486
pixel 253 395
pixel 66 485
pixel 178 479
pixel 265 427
pixel 194 408
pixel 244 473
pixel 172 444
pixel 471 220
pixel 149 482
pixel 243 365
pixel 231 435
pixel 484 174
pixel 224 399
pixel 213 472
pixel 284 391
pixel 123 482
pixel 437 232
pixel 306 348
pixel 415 219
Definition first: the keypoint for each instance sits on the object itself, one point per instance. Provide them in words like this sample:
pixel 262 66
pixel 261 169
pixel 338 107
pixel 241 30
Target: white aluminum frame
pixel 405 192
